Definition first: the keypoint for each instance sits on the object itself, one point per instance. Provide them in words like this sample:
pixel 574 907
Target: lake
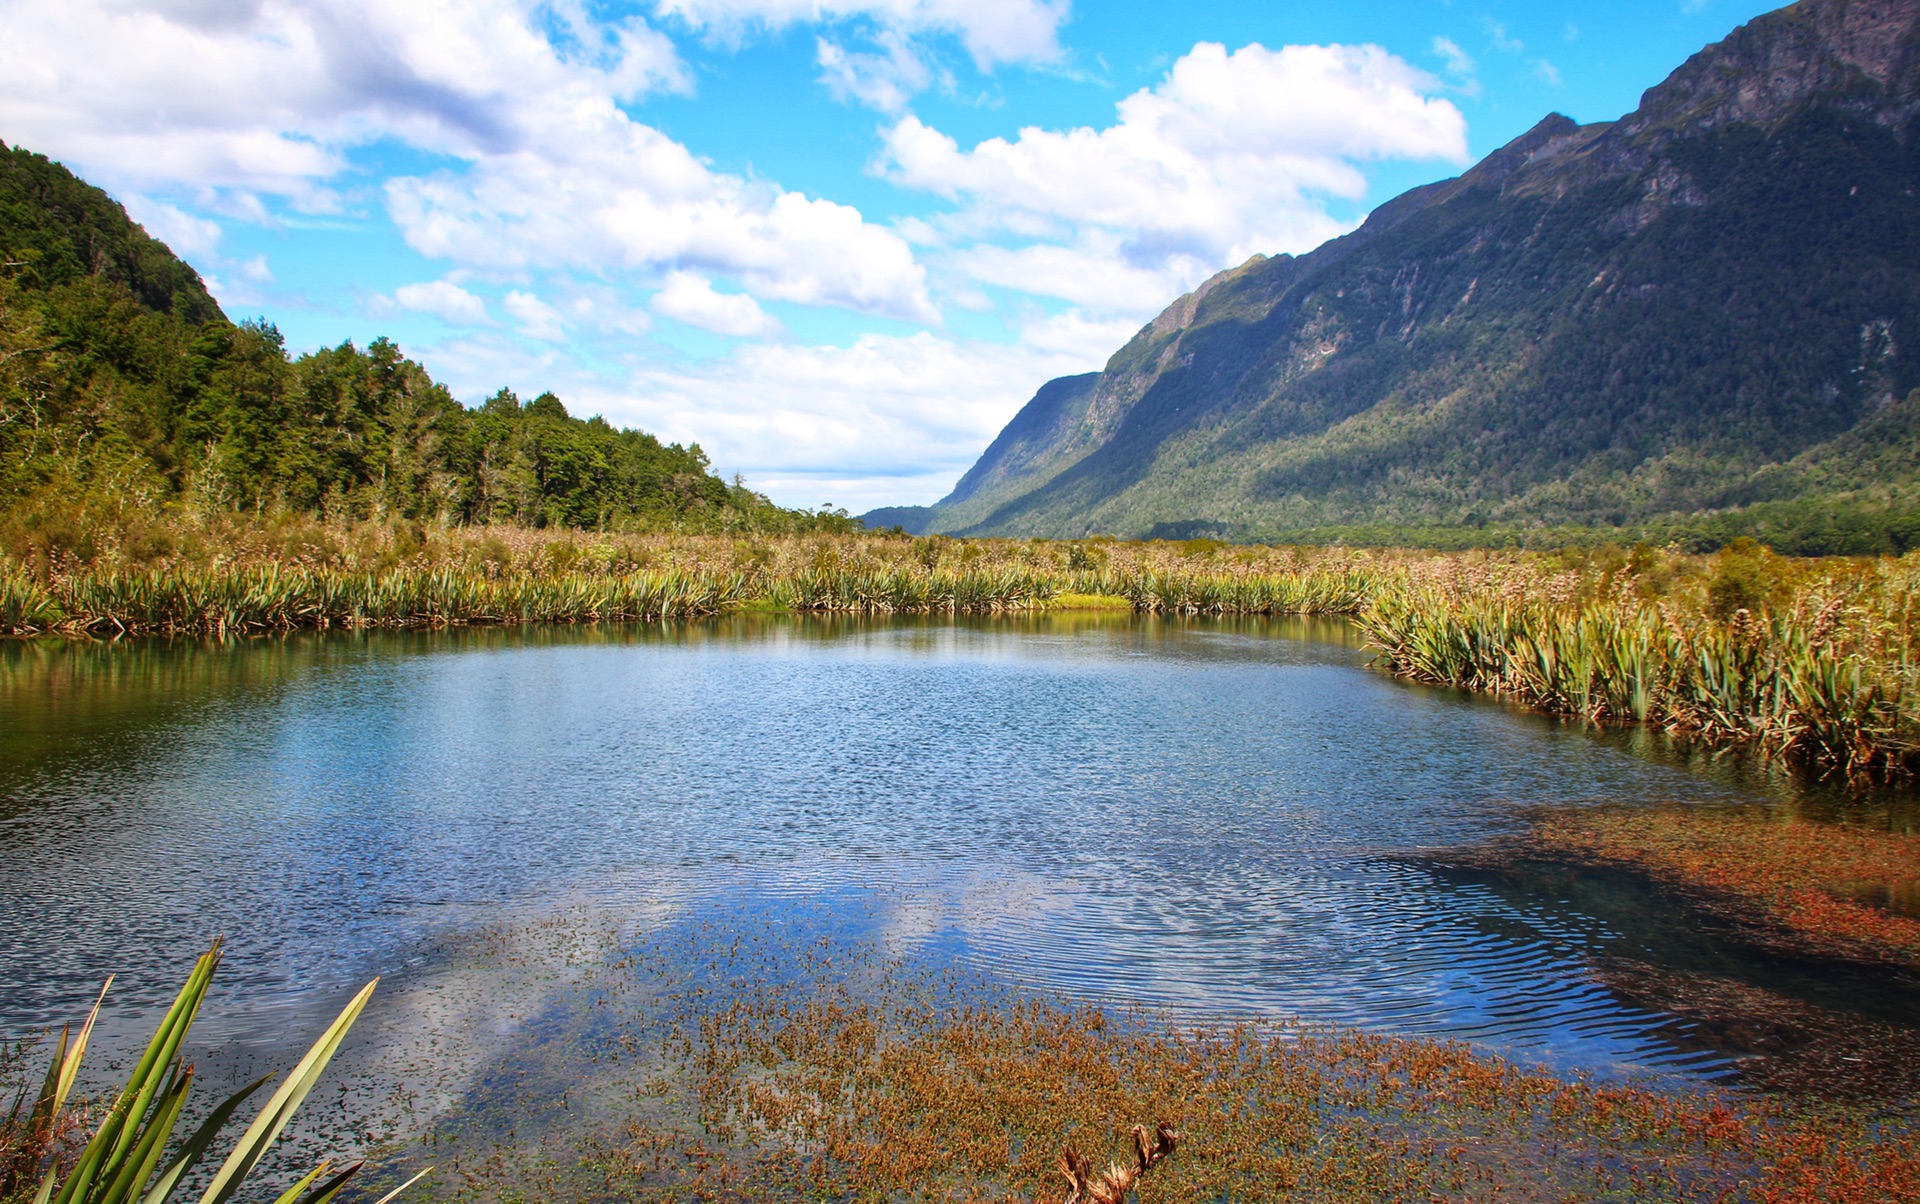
pixel 1210 818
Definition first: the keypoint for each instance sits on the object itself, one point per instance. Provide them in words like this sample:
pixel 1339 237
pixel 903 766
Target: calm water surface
pixel 1216 818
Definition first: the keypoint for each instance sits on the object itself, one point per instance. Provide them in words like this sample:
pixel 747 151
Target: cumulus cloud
pixel 1096 271
pixel 888 418
pixel 537 319
pixel 187 236
pixel 883 420
pixel 1232 153
pixel 549 172
pixel 605 192
pixel 691 298
pixel 444 300
pixel 268 96
pixel 993 31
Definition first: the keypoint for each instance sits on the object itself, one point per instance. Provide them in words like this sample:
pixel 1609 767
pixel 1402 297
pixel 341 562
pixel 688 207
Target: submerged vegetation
pixel 731 1059
pixel 1833 889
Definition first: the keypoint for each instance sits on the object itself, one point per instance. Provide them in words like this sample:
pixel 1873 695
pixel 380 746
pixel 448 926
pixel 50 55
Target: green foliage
pixel 121 1163
pixel 121 379
pixel 1744 578
pixel 1815 666
pixel 272 598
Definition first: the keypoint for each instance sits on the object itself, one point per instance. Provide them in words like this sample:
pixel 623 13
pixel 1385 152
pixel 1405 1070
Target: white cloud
pixel 537 319
pixel 1502 40
pixel 881 81
pixel 691 299
pixel 886 419
pixel 994 31
pixel 1546 73
pixel 268 96
pixel 602 308
pixel 1230 154
pixel 1459 63
pixel 1078 336
pixel 1094 271
pixel 1460 66
pixel 605 192
pixel 552 173
pixel 444 299
pixel 187 236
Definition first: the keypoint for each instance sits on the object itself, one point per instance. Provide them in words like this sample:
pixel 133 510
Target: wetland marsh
pixel 584 857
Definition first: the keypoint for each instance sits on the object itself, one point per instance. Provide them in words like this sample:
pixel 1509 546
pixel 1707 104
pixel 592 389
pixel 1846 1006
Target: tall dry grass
pixel 1813 660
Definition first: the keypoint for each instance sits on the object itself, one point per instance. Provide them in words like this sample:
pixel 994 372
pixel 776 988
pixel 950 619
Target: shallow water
pixel 1217 818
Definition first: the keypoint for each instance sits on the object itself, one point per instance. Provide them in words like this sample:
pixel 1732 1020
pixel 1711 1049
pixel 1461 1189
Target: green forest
pixel 122 383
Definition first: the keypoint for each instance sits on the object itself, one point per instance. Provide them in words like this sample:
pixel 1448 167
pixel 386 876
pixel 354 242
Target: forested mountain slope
pixel 1710 305
pixel 120 377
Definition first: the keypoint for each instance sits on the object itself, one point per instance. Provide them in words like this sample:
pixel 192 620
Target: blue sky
pixel 837 242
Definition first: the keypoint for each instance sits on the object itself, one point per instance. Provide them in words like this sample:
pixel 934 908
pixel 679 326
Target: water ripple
pixel 1192 818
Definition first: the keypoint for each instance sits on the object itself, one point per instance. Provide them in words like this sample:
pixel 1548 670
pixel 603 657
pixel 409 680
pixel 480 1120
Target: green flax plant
pixel 122 1162
pixel 912 589
pixel 1790 684
pixel 273 597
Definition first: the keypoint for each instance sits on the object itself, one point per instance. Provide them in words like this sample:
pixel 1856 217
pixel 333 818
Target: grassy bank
pixel 1816 661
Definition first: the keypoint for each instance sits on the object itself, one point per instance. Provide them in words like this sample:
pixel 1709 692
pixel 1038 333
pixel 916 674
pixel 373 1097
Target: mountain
pixel 122 384
pixel 1708 307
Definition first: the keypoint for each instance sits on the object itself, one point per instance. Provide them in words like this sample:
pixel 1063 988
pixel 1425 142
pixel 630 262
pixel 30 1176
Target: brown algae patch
pixel 715 1060
pixel 1831 888
pixel 1785 1045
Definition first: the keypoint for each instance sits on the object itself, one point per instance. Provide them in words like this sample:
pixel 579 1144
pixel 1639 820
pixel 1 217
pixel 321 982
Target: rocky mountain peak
pixel 1866 52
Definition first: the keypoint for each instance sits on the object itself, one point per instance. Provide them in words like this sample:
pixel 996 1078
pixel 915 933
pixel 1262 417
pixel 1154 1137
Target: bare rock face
pixel 1861 54
pixel 1595 324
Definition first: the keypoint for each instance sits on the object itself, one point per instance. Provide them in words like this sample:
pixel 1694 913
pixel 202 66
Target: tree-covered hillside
pixel 1702 315
pixel 120 376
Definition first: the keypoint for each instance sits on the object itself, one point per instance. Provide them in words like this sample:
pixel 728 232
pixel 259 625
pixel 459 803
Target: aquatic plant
pixel 1786 684
pixel 1087 1186
pixel 753 1062
pixel 1837 888
pixel 1826 670
pixel 910 590
pixel 121 1162
pixel 274 598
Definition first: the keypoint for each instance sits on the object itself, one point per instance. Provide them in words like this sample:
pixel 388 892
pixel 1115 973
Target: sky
pixel 837 243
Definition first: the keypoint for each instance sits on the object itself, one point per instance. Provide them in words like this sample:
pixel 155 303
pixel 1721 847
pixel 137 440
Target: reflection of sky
pixel 1182 816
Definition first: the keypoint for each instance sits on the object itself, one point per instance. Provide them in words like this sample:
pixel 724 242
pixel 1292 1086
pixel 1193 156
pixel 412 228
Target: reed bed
pixel 1337 590
pixel 272 598
pixel 912 590
pixel 1829 678
pixel 1815 661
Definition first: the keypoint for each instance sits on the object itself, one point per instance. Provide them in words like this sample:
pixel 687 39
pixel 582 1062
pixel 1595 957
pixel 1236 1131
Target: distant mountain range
pixel 1702 317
